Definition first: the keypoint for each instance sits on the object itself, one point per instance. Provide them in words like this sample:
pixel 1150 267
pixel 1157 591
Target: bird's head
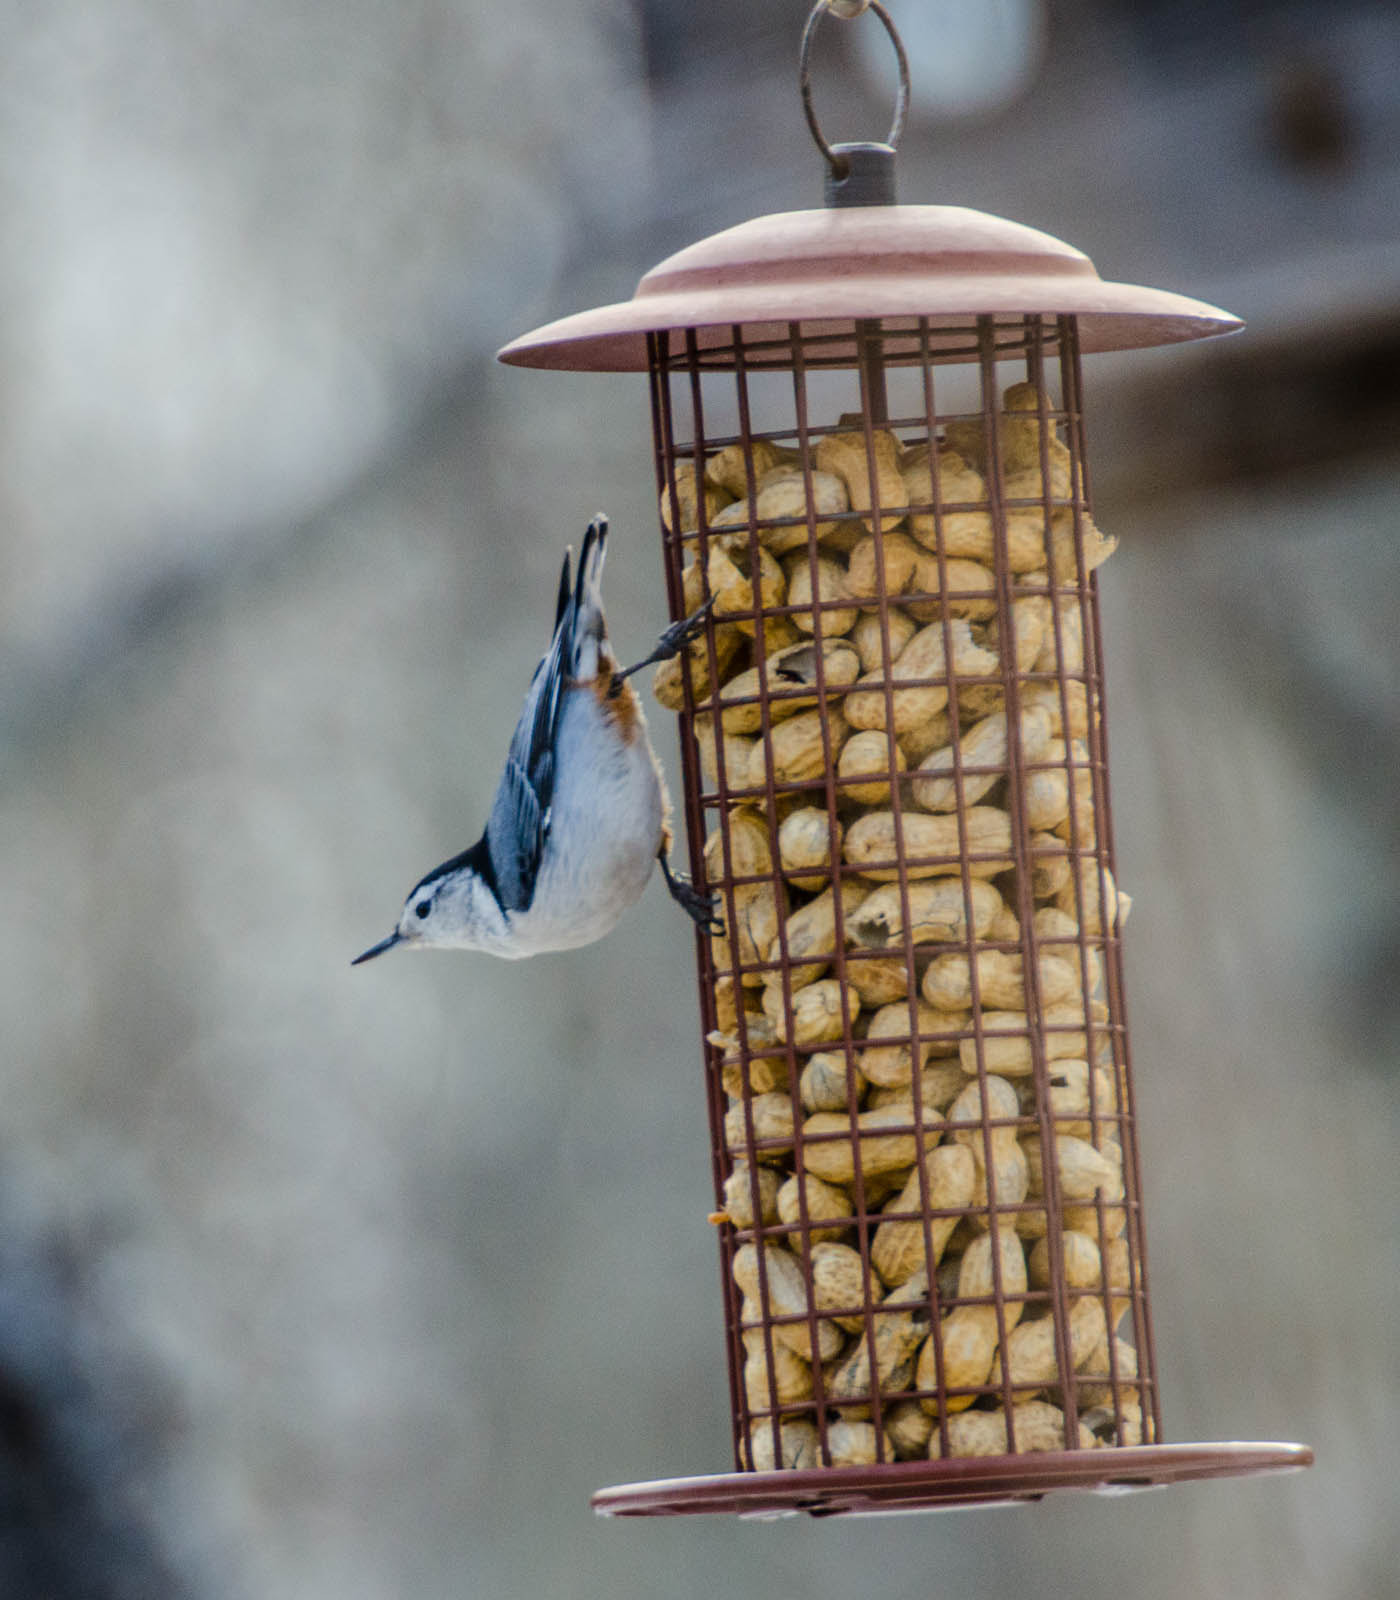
pixel 454 907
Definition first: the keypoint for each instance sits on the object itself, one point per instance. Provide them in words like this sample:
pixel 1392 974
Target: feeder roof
pixel 827 268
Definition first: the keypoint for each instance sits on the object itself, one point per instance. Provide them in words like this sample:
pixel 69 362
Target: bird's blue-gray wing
pixel 519 821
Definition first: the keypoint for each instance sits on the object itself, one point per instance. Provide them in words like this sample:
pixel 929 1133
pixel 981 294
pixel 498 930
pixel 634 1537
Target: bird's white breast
pixel 607 821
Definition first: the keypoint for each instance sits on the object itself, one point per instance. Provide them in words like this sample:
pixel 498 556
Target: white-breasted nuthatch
pixel 581 813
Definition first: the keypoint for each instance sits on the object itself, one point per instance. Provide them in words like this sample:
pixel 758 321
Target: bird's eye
pixel 422 908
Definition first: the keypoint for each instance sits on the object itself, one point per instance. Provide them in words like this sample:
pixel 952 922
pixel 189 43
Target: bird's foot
pixel 701 908
pixel 697 905
pixel 675 638
pixel 672 641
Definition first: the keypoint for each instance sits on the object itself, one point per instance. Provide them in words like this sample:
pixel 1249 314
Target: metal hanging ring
pixel 804 76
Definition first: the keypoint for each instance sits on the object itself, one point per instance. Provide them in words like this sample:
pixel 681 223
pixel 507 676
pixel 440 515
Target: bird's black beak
pixel 378 949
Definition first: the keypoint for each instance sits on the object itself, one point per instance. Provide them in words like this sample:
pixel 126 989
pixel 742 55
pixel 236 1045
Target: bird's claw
pixel 679 634
pixel 697 905
pixel 669 645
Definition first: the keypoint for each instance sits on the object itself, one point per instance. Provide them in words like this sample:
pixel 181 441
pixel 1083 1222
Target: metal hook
pixel 804 76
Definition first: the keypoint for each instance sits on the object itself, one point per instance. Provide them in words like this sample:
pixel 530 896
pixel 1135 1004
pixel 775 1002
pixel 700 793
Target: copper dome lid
pixel 827 268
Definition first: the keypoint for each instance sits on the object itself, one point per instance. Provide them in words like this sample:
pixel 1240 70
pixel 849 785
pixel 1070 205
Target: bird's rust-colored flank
pixel 618 701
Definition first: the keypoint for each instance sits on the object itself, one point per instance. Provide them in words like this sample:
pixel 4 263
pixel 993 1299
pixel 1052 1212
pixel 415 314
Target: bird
pixel 581 813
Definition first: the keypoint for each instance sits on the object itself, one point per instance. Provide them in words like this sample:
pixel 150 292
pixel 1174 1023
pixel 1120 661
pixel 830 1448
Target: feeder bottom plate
pixel 945 1485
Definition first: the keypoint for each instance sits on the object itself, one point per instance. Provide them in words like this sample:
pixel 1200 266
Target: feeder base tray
pixel 902 1486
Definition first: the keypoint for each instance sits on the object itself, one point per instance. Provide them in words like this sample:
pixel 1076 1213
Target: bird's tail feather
pixel 566 585
pixel 590 625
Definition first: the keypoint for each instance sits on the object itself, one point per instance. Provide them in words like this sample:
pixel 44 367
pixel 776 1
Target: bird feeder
pixel 868 424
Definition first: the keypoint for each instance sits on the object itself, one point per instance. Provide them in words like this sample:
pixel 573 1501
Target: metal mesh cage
pixel 900 795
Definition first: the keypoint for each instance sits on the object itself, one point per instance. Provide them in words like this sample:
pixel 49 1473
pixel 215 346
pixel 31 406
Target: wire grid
pixel 903 341
pixel 876 1357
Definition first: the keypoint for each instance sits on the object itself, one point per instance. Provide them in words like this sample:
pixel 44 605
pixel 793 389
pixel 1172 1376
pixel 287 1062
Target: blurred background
pixel 318 1283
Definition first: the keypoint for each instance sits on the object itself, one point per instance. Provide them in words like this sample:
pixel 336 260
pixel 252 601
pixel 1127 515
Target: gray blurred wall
pixel 326 1284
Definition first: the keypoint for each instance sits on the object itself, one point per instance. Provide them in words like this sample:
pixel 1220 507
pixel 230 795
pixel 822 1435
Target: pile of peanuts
pixel 915 910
